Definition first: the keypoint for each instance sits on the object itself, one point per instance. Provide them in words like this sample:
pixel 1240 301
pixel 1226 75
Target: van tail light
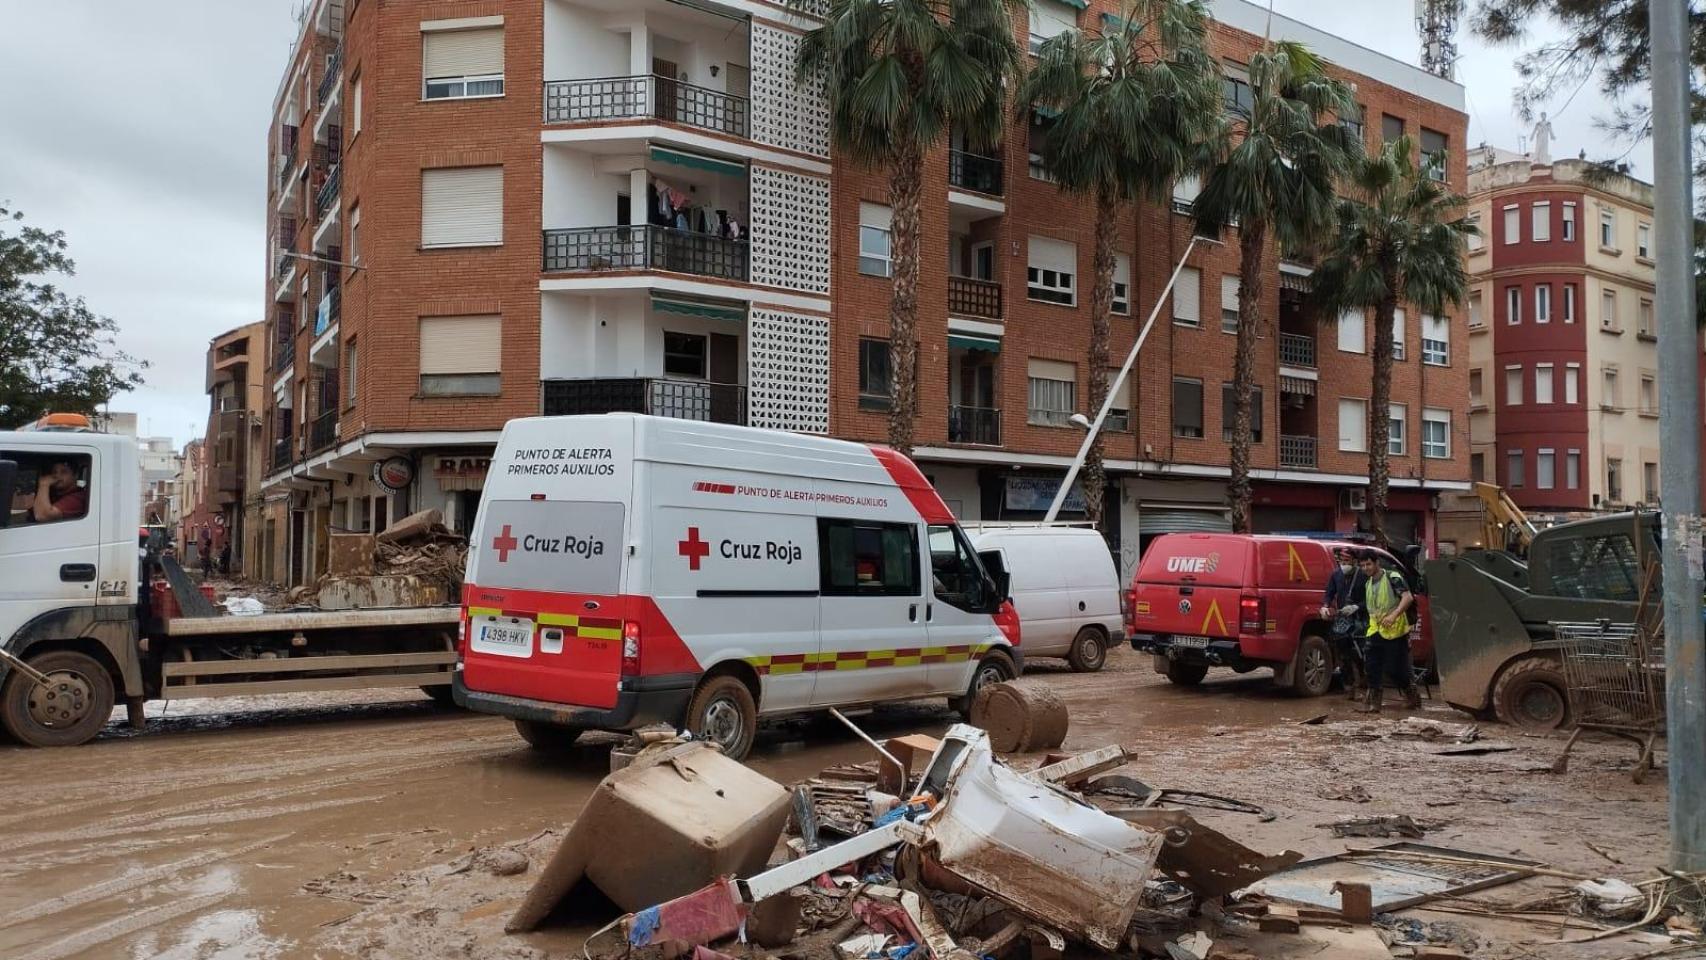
pixel 630 648
pixel 1252 614
pixel 462 637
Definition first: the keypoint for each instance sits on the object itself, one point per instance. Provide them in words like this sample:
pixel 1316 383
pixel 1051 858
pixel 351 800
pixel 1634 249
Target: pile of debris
pixel 420 545
pixel 415 562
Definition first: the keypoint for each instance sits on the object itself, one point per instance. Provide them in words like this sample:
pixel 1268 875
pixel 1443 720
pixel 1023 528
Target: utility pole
pixel 1679 435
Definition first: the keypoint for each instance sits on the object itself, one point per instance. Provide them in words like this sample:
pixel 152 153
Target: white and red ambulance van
pixel 627 570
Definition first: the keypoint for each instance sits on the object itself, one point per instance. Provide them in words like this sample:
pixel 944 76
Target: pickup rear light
pixel 630 648
pixel 1252 614
pixel 1128 607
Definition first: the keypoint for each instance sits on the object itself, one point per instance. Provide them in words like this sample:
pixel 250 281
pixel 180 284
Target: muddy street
pixel 333 826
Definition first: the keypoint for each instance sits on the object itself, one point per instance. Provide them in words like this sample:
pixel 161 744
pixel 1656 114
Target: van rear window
pixel 560 546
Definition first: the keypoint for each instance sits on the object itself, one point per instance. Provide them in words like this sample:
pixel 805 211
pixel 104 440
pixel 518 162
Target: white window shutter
pixel 1050 18
pixel 1046 253
pixel 1353 425
pixel 1122 269
pixel 455 345
pixel 462 53
pixel 1229 287
pixel 1353 331
pixel 1187 296
pixel 875 215
pixel 1122 396
pixel 1051 370
pixel 461 206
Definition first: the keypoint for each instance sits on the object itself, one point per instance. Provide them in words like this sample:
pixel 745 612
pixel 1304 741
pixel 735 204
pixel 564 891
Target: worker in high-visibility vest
pixel 1387 600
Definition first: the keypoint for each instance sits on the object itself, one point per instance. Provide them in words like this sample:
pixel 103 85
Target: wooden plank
pixel 358 682
pixel 214 668
pixel 314 621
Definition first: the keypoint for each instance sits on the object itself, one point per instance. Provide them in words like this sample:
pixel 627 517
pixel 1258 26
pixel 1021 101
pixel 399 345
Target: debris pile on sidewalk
pixel 415 562
pixel 420 545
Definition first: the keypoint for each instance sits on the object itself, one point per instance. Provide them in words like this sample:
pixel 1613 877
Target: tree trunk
pixel 1252 240
pixel 1380 417
pixel 905 178
pixel 1101 304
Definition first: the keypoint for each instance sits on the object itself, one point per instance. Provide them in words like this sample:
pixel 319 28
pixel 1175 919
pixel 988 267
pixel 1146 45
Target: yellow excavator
pixel 1503 524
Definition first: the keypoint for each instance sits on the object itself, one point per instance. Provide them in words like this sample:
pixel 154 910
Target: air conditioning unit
pixel 1355 499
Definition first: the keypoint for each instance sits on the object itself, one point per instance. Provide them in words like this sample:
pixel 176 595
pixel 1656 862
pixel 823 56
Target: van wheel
pixel 1089 651
pixel 1313 675
pixel 547 737
pixel 1530 694
pixel 1186 674
pixel 995 667
pixel 70 709
pixel 724 713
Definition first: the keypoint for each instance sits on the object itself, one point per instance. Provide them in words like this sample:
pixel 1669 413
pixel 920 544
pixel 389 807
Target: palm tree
pixel 1275 181
pixel 1133 107
pixel 899 75
pixel 1400 239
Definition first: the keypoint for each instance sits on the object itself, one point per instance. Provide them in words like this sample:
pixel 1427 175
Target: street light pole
pixel 1114 389
pixel 1679 435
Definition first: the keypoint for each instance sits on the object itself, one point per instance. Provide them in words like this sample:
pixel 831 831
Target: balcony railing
pixel 327 198
pixel 1297 453
pixel 971 171
pixel 323 432
pixel 645 247
pixel 281 452
pixel 1297 350
pixel 682 399
pixel 974 298
pixel 329 82
pixel 980 425
pixel 660 98
pixel 329 311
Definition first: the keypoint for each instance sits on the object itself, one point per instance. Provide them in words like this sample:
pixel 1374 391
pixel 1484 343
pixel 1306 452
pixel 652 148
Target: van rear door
pixel 1188 585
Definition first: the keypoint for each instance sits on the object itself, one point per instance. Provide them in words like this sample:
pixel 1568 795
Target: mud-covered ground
pixel 377 825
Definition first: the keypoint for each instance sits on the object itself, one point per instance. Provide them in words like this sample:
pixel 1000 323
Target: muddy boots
pixel 1412 698
pixel 1371 702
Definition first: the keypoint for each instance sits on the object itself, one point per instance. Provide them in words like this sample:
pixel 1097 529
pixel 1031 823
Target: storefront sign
pixel 1036 495
pixel 394 473
pixel 460 468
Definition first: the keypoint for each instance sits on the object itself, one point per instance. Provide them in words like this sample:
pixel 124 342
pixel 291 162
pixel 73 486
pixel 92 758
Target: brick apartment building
pixel 581 206
pixel 1563 342
pixel 229 460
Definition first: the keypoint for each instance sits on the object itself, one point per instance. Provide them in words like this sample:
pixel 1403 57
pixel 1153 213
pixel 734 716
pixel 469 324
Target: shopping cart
pixel 1615 676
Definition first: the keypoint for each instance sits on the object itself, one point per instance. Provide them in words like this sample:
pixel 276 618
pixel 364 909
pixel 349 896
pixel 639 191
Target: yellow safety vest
pixel 1382 599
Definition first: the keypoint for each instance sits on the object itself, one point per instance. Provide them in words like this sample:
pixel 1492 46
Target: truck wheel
pixel 724 713
pixel 1089 651
pixel 1186 674
pixel 995 667
pixel 440 694
pixel 1530 694
pixel 67 711
pixel 547 737
pixel 1313 675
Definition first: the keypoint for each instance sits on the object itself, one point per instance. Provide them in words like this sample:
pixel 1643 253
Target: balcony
pixel 1297 350
pixel 330 310
pixel 975 172
pixel 327 198
pixel 323 432
pixel 281 452
pixel 978 425
pixel 681 399
pixel 329 82
pixel 645 247
pixel 647 98
pixel 1297 453
pixel 974 298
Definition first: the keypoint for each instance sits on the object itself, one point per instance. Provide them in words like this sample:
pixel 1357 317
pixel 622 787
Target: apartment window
pixel 1543 383
pixel 1119 414
pixel 1228 403
pixel 685 355
pixel 1050 19
pixel 1573 470
pixel 1513 224
pixel 1477 389
pixel 1436 340
pixel 350 370
pixel 1187 298
pixel 1569 222
pixel 1569 303
pixel 1513 468
pixel 462 207
pixel 1229 290
pixel 1398 351
pixel 1187 408
pixel 1513 305
pixel 1541 221
pixel 1614 479
pixel 458 64
pixel 1644 320
pixel 1353 331
pixel 1353 426
pixel 1650 482
pixel 1545 467
pixel 1649 395
pixel 1235 87
pixel 1478 467
pixel 1436 434
pixel 1053 390
pixel 460 356
pixel 1608 399
pixel 1396 442
pixel 1475 241
pixel 355 234
pixel 1434 152
pixel 876 387
pixel 875 250
pixel 1052 270
pixel 1391 128
pixel 1122 285
pixel 1041 129
pixel 355 105
pixel 1608 230
pixel 1513 386
pixel 1543 303
pixel 1644 241
pixel 1185 190
pixel 1477 319
pixel 1608 310
pixel 1572 371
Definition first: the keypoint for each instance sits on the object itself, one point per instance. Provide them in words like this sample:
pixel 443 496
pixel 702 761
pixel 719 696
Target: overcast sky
pixel 143 137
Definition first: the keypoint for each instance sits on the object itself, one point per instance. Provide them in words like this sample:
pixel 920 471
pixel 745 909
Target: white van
pixel 628 570
pixel 1064 585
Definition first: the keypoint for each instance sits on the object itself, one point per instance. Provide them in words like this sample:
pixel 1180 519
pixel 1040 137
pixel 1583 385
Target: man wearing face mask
pixel 1341 605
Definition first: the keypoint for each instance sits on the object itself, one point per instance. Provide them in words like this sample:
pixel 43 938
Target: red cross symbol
pixel 693 548
pixel 504 543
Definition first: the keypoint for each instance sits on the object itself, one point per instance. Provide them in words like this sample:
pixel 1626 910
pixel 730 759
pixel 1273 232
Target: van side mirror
pixel 8 489
pixel 997 570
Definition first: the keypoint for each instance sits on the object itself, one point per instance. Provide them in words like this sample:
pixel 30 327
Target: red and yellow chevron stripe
pixel 866 659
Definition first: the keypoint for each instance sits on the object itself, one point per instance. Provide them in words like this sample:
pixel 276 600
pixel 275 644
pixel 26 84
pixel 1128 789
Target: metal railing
pixel 972 171
pixel 1297 350
pixel 323 432
pixel 968 297
pixel 284 340
pixel 979 425
pixel 660 98
pixel 1297 453
pixel 682 399
pixel 645 247
pixel 328 195
pixel 282 451
pixel 334 67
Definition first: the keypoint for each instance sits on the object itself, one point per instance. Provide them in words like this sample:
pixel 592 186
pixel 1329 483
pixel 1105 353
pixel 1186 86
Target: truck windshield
pixel 957 574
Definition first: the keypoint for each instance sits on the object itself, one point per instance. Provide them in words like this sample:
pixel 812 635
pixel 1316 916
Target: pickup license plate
pixel 506 639
pixel 1191 643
